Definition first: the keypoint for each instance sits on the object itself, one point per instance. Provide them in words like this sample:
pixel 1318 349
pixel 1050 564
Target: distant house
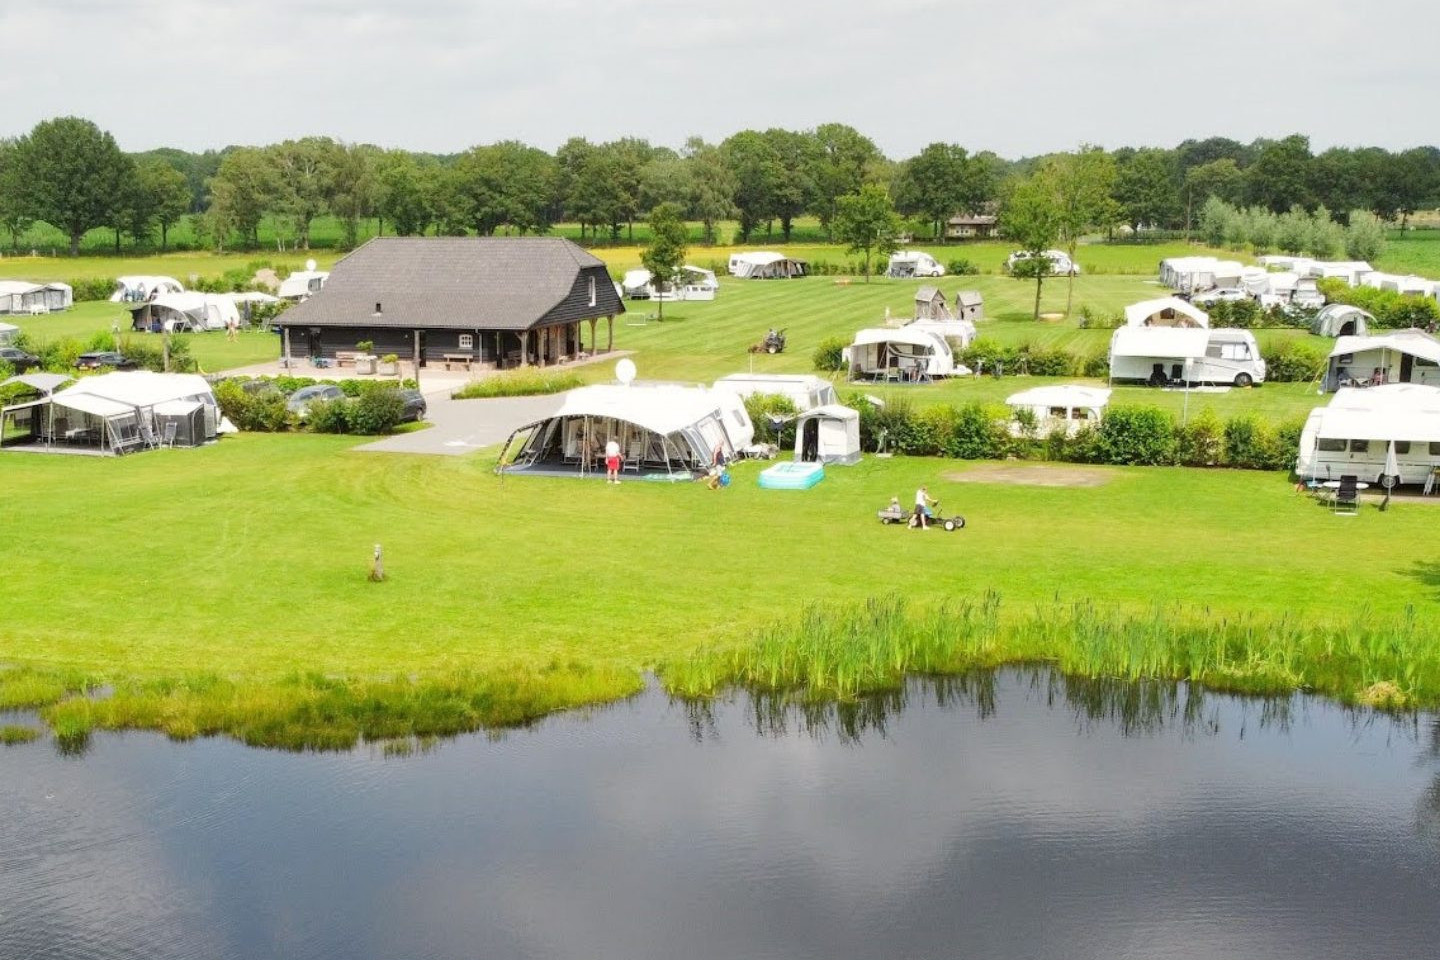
pixel 980 226
pixel 494 301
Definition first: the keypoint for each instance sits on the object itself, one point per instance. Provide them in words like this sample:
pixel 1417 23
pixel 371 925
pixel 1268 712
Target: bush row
pixel 368 408
pixel 1390 309
pixel 1127 436
pixel 58 356
pixel 525 382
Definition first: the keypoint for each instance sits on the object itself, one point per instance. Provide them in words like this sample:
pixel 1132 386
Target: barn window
pixel 467 341
pixel 592 291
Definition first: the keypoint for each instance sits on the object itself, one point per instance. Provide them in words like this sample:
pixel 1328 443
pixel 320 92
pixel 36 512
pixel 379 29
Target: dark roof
pixel 493 283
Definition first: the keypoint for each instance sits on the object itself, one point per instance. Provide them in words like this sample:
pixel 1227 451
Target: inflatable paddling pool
pixel 792 476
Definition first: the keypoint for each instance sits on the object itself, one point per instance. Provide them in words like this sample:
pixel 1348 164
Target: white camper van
pixel 1165 355
pixel 913 263
pixel 1354 434
pixel 804 390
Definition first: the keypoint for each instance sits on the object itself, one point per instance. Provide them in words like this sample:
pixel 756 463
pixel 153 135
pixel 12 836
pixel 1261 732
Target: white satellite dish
pixel 310 265
pixel 625 371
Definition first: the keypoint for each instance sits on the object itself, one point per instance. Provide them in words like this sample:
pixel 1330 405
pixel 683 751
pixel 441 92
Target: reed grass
pixel 12 734
pixel 848 651
pixel 314 712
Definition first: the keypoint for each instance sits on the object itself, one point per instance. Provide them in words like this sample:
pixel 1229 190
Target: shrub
pixel 1242 314
pixel 92 288
pixel 1136 435
pixel 828 355
pixel 255 412
pixel 1093 320
pixel 761 406
pixel 961 267
pixel 1293 363
pixel 970 433
pixel 1250 443
pixel 378 409
pixel 1201 442
pixel 1390 309
pixel 330 416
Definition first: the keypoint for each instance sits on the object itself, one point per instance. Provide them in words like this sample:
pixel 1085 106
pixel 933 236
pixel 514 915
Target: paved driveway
pixel 458 427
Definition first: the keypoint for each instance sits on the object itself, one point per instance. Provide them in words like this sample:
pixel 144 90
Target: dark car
pixel 300 400
pixel 415 407
pixel 18 359
pixel 104 358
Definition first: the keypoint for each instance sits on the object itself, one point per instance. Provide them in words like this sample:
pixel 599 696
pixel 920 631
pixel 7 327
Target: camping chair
pixel 167 440
pixel 634 453
pixel 1347 497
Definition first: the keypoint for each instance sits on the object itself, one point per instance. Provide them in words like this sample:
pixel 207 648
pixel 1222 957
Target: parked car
pixel 1220 295
pixel 1060 263
pixel 415 406
pixel 300 400
pixel 19 359
pixel 98 359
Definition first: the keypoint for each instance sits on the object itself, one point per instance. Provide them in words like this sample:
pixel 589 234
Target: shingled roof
pixel 492 283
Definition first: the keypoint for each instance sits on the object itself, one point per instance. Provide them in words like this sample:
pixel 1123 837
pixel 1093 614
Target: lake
pixel 1015 815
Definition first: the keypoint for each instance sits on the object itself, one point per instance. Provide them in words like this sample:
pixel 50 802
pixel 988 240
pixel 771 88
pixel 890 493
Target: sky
pixel 444 75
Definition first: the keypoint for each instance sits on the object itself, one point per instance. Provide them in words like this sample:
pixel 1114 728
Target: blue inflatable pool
pixel 792 476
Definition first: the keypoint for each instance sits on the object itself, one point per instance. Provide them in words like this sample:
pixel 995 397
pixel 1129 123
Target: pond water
pixel 1011 816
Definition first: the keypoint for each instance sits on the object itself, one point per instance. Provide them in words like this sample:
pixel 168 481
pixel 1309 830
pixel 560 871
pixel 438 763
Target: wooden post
pixel 609 333
pixel 377 568
pixel 524 348
pixel 593 341
pixel 286 332
pixel 416 350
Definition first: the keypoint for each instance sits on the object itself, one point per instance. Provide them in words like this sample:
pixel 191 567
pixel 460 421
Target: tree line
pixel 71 174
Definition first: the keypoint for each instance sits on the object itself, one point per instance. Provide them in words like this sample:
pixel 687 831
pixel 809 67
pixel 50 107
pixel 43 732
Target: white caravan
pixel 1353 435
pixel 1066 408
pixel 1165 312
pixel 905 355
pixel 1165 355
pixel 913 263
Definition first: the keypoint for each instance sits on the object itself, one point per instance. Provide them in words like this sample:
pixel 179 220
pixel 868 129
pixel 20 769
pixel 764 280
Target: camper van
pixel 1353 435
pixel 913 263
pixel 805 391
pixel 1165 355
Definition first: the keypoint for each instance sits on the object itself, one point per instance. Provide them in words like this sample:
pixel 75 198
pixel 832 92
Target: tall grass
pixel 10 735
pixel 847 651
pixel 525 382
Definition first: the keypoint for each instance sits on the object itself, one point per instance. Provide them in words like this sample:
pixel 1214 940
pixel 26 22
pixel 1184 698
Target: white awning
pixel 908 334
pixel 96 406
pixel 142 388
pixel 44 382
pixel 659 409
pixel 1160 342
pixel 1137 314
pixel 1417 343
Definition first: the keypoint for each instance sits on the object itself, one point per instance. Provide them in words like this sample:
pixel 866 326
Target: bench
pixel 465 359
pixel 343 357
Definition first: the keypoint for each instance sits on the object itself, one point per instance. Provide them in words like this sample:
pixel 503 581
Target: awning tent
pixel 766 265
pixel 1165 312
pixel 132 289
pixel 828 434
pixel 175 312
pixel 24 296
pixel 116 412
pixel 905 353
pixel 1398 356
pixel 1341 320
pixel 636 284
pixel 662 431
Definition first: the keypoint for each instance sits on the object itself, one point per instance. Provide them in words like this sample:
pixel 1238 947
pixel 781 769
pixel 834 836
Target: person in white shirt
pixel 922 508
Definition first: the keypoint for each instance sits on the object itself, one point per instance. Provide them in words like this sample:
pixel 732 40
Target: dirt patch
pixel 1031 475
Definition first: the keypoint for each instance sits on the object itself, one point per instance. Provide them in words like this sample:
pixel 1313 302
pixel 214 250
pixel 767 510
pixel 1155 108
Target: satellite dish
pixel 310 265
pixel 625 371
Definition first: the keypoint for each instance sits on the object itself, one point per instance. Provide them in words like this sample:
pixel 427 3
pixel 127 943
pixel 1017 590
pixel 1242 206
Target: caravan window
pixel 1359 446
pixel 1402 447
pixel 1422 362
pixel 1331 446
pixel 1228 351
pixel 1434 449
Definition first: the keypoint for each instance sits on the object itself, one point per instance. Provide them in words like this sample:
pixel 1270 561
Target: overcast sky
pixel 441 75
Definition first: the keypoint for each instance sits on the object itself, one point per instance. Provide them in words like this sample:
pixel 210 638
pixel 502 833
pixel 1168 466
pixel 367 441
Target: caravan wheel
pixel 1243 380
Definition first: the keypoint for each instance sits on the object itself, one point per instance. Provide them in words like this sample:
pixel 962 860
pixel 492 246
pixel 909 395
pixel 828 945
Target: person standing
pixel 922 508
pixel 612 461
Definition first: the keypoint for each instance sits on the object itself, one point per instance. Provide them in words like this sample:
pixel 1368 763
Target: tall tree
pixel 665 254
pixel 756 171
pixel 75 175
pixel 1031 215
pixel 793 188
pixel 711 185
pixel 1280 176
pixel 932 184
pixel 405 192
pixel 304 177
pixel 1146 187
pixel 243 189
pixel 866 222
pixel 351 196
pixel 1082 183
pixel 504 183
pixel 167 192
pixel 1218 178
pixel 840 161
pixel 15 202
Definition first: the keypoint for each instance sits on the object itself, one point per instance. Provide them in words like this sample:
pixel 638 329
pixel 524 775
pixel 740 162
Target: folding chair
pixel 1347 497
pixel 167 439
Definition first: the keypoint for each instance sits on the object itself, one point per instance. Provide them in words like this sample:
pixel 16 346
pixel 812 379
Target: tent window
pixel 467 341
pixel 1332 446
pixel 1402 447
pixel 1359 446
pixel 1422 362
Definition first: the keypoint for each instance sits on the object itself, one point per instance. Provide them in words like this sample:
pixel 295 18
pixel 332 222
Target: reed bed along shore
pixel 829 653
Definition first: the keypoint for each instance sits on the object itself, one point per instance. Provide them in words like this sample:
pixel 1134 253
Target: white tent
pixel 302 284
pixel 904 354
pixel 39 382
pixel 959 334
pixel 1339 320
pixel 1399 356
pixel 1066 408
pixel 134 288
pixel 8 332
pixel 636 284
pixel 805 391
pixel 766 265
pixel 661 429
pixel 176 312
pixel 828 434
pixel 23 296
pixel 1165 312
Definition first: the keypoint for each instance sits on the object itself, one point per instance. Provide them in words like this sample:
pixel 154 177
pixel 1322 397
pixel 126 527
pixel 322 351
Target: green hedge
pixel 1390 309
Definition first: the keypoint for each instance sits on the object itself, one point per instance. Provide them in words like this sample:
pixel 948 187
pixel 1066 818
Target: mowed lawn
pixel 249 558
pixel 211 350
